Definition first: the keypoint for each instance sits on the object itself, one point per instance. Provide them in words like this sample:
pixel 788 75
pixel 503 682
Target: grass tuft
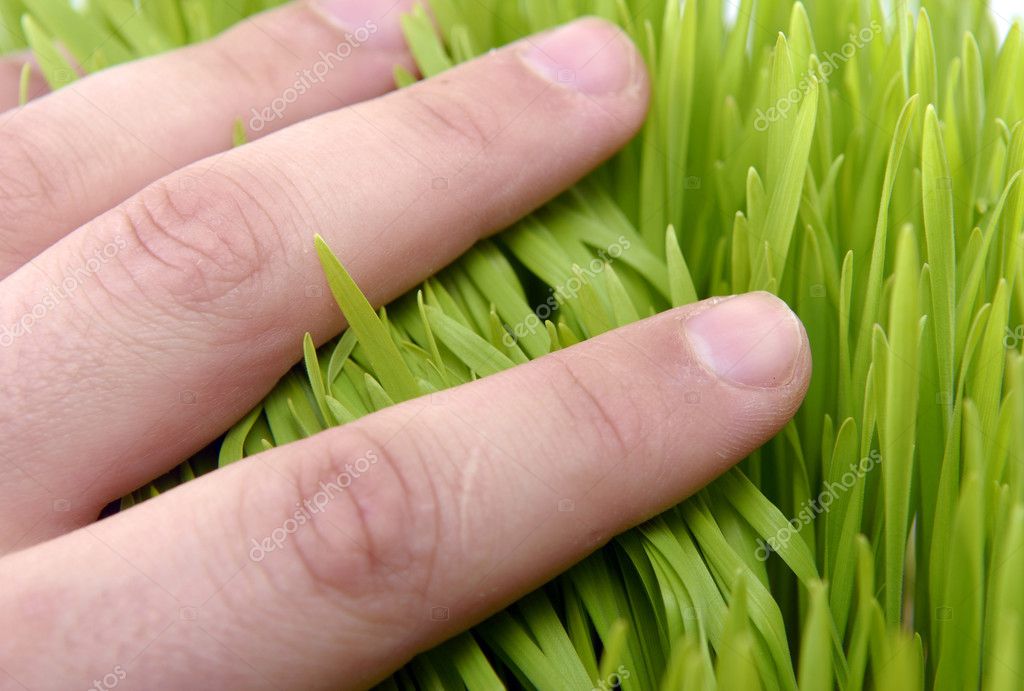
pixel 863 165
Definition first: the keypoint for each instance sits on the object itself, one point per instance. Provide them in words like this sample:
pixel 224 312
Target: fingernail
pixel 750 340
pixel 589 55
pixel 373 22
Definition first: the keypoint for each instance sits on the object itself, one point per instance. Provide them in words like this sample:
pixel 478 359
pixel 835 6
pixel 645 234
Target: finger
pixel 191 300
pixel 10 80
pixel 348 541
pixel 69 157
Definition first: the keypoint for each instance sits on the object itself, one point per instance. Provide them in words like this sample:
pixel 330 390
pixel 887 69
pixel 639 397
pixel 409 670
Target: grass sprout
pixel 862 160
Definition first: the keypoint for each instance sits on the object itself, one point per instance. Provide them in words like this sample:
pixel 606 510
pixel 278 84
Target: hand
pixel 143 260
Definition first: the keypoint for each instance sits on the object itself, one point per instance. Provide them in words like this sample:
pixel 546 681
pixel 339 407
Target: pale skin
pixel 193 281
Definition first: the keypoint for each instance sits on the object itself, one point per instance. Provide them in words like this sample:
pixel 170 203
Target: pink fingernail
pixel 751 340
pixel 376 21
pixel 590 55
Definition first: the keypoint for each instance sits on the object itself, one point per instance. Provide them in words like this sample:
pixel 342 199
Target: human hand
pixel 192 281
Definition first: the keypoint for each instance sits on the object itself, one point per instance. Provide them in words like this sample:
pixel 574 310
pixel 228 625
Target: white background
pixel 1005 11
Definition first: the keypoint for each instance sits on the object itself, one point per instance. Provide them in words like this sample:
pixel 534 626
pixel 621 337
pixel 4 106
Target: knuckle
pixel 378 520
pixel 221 56
pixel 449 111
pixel 201 241
pixel 29 178
pixel 592 403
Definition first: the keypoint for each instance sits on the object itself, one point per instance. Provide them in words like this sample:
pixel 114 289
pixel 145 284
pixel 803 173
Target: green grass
pixel 885 206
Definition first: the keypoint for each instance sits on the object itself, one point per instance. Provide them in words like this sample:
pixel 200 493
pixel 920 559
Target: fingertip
pixel 590 55
pixel 753 340
pixel 378 20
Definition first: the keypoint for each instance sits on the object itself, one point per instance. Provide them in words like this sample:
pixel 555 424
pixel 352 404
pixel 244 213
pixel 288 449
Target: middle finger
pixel 69 157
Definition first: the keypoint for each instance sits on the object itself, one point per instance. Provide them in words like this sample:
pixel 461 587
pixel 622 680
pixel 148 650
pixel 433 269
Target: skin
pixel 192 283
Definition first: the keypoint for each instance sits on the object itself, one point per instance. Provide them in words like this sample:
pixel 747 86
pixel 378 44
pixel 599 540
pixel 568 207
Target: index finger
pixel 324 563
